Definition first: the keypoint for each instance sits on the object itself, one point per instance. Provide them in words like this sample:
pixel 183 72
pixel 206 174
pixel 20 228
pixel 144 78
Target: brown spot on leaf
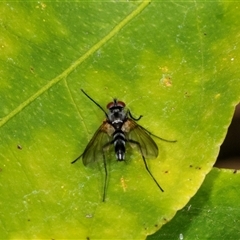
pixel 19 147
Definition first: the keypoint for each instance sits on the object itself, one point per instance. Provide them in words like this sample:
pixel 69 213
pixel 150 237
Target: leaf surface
pixel 177 64
pixel 213 213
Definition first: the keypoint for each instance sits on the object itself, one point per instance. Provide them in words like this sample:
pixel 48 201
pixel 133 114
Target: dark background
pixel 229 155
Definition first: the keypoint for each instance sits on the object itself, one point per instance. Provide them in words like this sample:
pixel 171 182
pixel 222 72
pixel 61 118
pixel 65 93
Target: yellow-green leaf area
pixel 174 63
pixel 213 213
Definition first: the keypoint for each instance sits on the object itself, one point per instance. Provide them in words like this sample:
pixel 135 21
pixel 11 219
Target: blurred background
pixel 229 155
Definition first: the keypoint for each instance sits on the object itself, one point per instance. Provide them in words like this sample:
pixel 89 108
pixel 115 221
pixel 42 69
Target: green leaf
pixel 213 213
pixel 177 64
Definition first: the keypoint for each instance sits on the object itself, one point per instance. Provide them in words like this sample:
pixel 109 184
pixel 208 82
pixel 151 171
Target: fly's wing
pixel 138 134
pixel 94 150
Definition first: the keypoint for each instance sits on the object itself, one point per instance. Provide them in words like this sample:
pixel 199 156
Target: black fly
pixel 119 128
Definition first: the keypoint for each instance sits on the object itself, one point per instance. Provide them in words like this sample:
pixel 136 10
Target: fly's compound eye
pixel 116 104
pixel 110 105
pixel 121 104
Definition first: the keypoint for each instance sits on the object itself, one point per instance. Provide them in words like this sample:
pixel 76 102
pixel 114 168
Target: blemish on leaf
pixel 19 147
pixel 123 184
pixel 164 69
pixel 89 216
pixel 31 69
pixel 235 171
pixel 166 80
pixel 41 5
pixel 181 236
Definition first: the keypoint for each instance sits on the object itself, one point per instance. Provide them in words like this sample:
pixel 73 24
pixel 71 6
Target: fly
pixel 118 129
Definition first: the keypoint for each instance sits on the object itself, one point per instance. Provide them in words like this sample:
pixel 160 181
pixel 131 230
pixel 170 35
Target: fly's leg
pixel 145 163
pixel 135 119
pixel 106 176
pixel 77 158
pixel 163 139
pixel 105 168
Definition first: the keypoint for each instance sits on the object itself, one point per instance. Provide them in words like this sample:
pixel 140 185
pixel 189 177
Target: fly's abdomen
pixel 119 141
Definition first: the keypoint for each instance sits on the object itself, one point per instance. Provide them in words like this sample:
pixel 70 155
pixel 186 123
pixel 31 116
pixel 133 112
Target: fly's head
pixel 116 113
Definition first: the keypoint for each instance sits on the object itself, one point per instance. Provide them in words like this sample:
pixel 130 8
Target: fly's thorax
pixel 116 114
pixel 117 124
pixel 108 128
pixel 128 125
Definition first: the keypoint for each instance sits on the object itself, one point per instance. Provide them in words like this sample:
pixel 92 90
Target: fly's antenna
pixel 94 102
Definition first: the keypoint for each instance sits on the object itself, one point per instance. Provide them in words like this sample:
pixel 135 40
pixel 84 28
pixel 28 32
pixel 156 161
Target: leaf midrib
pixel 78 62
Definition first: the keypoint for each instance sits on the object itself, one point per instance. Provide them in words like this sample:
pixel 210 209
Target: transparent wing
pixel 138 134
pixel 94 150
